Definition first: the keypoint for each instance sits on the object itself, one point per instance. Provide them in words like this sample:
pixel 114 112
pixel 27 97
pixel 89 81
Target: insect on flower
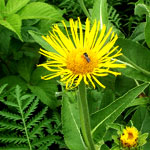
pixel 81 55
pixel 86 57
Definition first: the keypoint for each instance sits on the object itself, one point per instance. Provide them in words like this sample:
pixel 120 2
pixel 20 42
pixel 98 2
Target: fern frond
pixel 12 139
pixel 25 127
pixel 31 109
pixel 9 115
pixel 44 140
pixel 38 128
pixel 37 118
pixel 2 88
pixel 114 17
pixel 14 148
pixel 9 103
pixel 44 146
pixel 27 102
pixel 56 118
pixel 10 126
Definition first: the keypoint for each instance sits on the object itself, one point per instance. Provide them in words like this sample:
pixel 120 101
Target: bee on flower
pixel 85 55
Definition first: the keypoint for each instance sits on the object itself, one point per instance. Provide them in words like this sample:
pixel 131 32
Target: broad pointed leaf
pixel 13 6
pixel 100 11
pixel 13 23
pixel 39 10
pixel 135 54
pixel 110 113
pixel 71 130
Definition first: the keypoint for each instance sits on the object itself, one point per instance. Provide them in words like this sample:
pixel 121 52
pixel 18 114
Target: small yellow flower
pixel 84 55
pixel 129 137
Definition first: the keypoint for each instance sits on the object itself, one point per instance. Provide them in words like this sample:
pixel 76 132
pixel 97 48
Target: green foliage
pixel 114 17
pixel 24 124
pixel 15 11
pixel 30 113
pixel 71 127
pixel 112 111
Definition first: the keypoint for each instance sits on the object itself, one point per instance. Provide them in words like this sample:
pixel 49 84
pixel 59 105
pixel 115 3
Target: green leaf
pixel 110 113
pixel 38 38
pixel 134 74
pixel 141 119
pixel 5 39
pixel 13 6
pixel 44 89
pixel 42 95
pixel 39 10
pixel 13 81
pixel 13 23
pixel 100 12
pixel 139 101
pixel 142 139
pixel 135 54
pixel 127 83
pixel 25 68
pixel 2 6
pixel 141 9
pixel 82 5
pixel 72 134
pixel 138 33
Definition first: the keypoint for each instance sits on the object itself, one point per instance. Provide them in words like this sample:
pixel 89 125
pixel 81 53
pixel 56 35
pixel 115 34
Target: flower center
pixel 81 62
pixel 130 135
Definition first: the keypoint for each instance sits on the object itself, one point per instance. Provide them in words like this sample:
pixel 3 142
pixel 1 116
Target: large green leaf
pixel 100 11
pixel 134 74
pixel 135 54
pixel 2 6
pixel 25 68
pixel 141 8
pixel 44 89
pixel 13 23
pixel 71 130
pixel 39 10
pixel 13 6
pixel 141 119
pixel 13 81
pixel 110 113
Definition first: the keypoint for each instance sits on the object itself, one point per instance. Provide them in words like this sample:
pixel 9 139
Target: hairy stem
pixel 84 117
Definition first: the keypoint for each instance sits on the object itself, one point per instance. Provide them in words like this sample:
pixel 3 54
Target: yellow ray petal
pixel 99 83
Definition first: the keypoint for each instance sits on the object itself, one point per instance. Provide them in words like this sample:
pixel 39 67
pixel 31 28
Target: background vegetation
pixel 30 108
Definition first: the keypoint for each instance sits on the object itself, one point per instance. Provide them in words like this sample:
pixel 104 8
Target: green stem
pixel 84 117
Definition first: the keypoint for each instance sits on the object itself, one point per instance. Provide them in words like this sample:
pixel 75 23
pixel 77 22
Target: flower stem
pixel 84 117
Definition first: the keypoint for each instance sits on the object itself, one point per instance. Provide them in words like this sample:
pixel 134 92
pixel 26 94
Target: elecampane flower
pixel 85 55
pixel 129 137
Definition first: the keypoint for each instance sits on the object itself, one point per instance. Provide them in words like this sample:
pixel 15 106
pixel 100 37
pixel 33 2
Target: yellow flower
pixel 84 55
pixel 129 137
